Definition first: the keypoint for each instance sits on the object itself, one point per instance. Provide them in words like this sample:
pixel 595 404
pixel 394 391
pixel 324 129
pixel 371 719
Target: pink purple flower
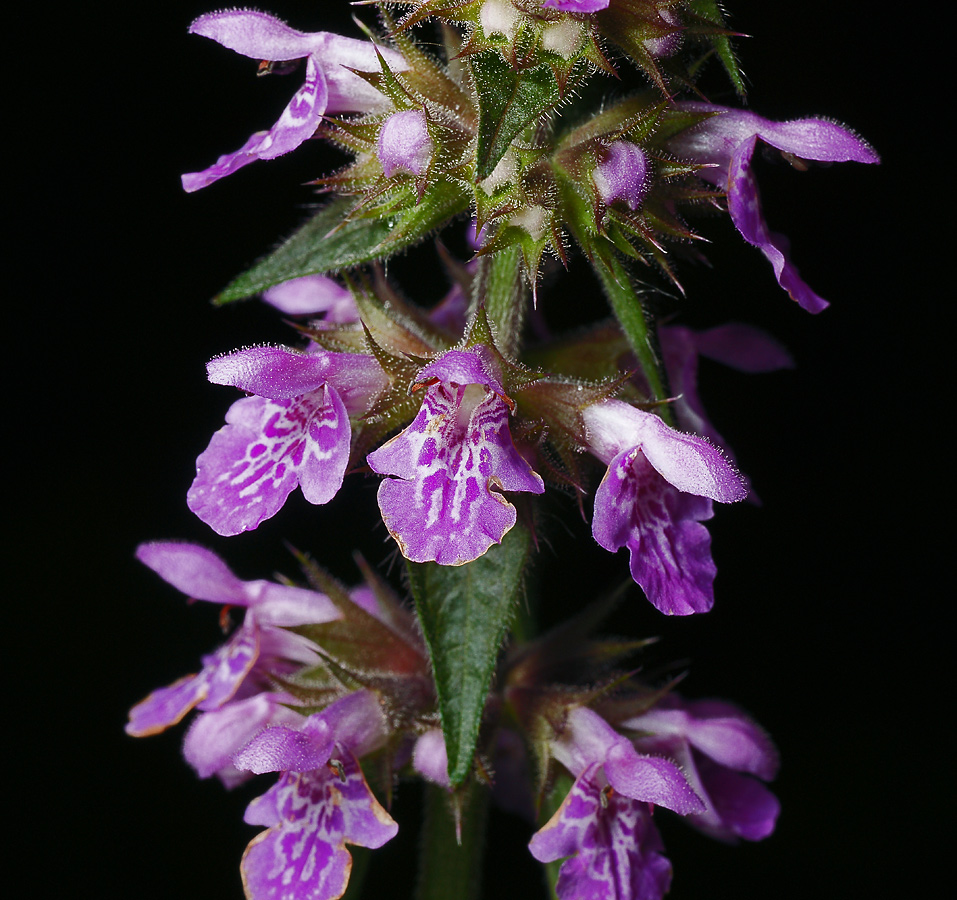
pixel 259 646
pixel 724 755
pixel 657 490
pixel 611 847
pixel 294 431
pixel 724 144
pixel 329 86
pixel 320 803
pixel 450 467
pixel 604 825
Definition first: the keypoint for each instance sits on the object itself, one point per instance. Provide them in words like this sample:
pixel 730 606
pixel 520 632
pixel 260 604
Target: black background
pixel 831 598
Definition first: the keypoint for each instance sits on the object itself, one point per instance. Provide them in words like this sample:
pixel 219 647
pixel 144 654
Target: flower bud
pixel 622 175
pixel 404 143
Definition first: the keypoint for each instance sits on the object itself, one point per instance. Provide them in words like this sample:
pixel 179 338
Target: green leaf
pixel 464 612
pixel 711 11
pixel 508 101
pixel 331 240
pixel 623 296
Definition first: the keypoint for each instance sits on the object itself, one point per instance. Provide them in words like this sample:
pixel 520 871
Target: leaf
pixel 508 101
pixel 464 612
pixel 331 240
pixel 711 11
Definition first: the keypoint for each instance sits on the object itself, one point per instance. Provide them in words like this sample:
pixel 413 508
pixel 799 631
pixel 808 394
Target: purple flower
pixel 329 87
pixel 614 848
pixel 658 488
pixel 320 803
pixel 604 824
pixel 724 755
pixel 451 465
pixel 404 143
pixel 260 645
pixel 295 431
pixel 622 175
pixel 725 142
pixel 311 295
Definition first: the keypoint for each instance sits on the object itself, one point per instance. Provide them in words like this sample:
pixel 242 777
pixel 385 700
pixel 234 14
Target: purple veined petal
pixel 650 779
pixel 311 295
pixel 282 749
pixel 301 116
pixel 622 175
pixel 670 551
pixel 404 144
pixel 225 165
pixel 303 856
pixel 614 850
pixel 726 142
pixel 215 736
pixel 265 450
pixel 197 572
pixel 744 205
pixel 577 6
pixel 297 123
pixel 451 463
pixel 227 667
pixel 430 758
pixel 166 706
pixel 262 36
pixel 329 84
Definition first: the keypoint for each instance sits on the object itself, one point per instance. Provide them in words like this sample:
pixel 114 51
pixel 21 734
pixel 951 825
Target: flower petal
pixel 266 448
pixel 197 572
pixel 670 551
pixel 255 34
pixel 614 846
pixel 215 736
pixel 303 857
pixel 451 464
pixel 283 749
pixel 650 779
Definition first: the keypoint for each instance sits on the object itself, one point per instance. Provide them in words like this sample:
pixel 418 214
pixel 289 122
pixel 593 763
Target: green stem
pixel 449 870
pixel 499 285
